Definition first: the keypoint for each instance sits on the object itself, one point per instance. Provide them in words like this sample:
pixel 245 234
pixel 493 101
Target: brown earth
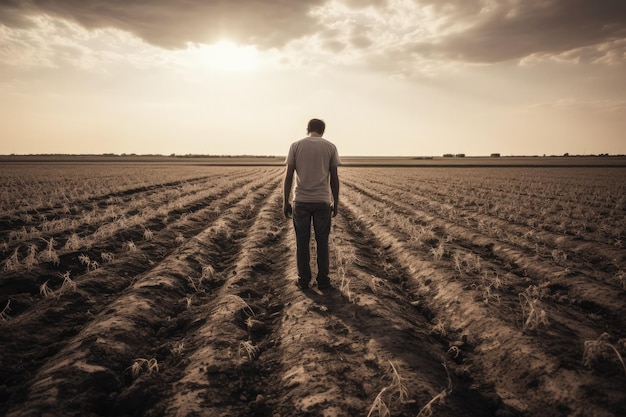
pixel 444 303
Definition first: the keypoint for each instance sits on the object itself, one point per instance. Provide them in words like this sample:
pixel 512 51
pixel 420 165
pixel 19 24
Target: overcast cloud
pixel 519 28
pixel 459 30
pixel 172 24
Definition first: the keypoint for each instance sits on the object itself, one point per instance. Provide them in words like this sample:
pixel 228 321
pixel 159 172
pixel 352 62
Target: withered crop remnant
pixel 171 289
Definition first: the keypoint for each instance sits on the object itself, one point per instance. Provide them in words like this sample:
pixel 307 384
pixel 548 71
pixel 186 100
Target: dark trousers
pixel 320 213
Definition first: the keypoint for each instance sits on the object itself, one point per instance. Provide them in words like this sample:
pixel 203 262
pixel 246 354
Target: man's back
pixel 314 161
pixel 313 158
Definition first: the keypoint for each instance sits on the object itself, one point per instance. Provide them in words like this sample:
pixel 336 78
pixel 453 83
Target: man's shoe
pixel 302 285
pixel 324 285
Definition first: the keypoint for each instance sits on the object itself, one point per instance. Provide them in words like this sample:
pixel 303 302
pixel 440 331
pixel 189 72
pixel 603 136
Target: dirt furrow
pixel 58 318
pixel 493 256
pixel 593 256
pixel 227 362
pixel 358 348
pixel 72 189
pixel 429 314
pixel 120 340
pixel 117 222
pixel 115 251
pixel 380 283
pixel 324 367
pixel 572 307
pixel 75 209
pixel 499 349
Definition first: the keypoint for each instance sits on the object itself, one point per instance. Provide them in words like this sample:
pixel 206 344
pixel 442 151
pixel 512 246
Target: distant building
pixel 495 155
pixel 460 155
pixel 447 155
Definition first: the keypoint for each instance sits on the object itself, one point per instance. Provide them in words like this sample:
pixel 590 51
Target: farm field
pixel 155 289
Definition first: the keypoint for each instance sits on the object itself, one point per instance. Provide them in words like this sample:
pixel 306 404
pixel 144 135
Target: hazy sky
pixel 397 77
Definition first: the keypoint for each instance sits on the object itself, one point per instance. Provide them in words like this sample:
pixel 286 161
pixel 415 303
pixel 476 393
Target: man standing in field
pixel 316 197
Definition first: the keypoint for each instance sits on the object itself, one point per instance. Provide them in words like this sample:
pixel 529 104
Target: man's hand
pixel 287 210
pixel 334 188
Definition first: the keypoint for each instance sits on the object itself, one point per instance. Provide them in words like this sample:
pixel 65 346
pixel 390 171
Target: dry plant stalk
pixel 344 261
pixel 106 257
pixel 141 364
pixel 427 410
pixel 45 291
pixel 596 349
pixel 73 243
pixel 379 405
pixel 438 252
pixel 376 283
pixel 67 285
pixel 13 262
pixel 31 258
pixel 178 348
pixel 197 287
pixel 396 390
pixel 246 347
pixel 532 314
pixel 344 287
pixel 208 272
pixel 50 255
pixel 439 328
pixel 3 314
pixel 91 265
pixel 244 306
pixel 148 234
pixel 130 246
pixel 189 301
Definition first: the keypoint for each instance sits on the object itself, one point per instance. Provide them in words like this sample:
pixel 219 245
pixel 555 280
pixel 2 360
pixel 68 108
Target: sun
pixel 228 56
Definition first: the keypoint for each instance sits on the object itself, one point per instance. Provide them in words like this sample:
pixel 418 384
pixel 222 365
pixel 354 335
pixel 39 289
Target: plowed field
pixel 169 290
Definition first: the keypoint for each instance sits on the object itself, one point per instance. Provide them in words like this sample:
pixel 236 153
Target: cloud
pixel 398 36
pixel 53 43
pixel 488 31
pixel 173 24
pixel 425 37
pixel 608 53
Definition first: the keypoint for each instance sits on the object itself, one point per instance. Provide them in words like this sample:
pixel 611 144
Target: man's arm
pixel 334 188
pixel 287 210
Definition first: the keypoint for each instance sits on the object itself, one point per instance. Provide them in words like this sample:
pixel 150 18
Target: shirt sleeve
pixel 291 156
pixel 334 158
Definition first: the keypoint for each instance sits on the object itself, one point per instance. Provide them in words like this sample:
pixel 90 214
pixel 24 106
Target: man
pixel 316 197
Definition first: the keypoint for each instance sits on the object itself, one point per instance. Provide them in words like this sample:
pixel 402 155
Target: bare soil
pixel 203 318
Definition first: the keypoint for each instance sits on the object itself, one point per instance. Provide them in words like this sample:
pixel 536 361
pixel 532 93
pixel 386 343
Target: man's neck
pixel 314 135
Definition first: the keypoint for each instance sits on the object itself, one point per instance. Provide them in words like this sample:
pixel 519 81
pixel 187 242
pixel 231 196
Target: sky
pixel 389 78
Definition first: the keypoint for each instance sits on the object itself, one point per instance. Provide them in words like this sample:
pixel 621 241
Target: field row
pixel 36 188
pixel 438 306
pixel 526 316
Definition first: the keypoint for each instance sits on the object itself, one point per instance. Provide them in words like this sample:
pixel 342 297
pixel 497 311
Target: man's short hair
pixel 317 126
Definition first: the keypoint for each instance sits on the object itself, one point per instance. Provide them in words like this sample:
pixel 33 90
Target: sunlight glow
pixel 225 56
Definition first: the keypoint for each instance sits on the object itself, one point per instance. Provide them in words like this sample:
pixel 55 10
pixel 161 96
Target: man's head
pixel 316 125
